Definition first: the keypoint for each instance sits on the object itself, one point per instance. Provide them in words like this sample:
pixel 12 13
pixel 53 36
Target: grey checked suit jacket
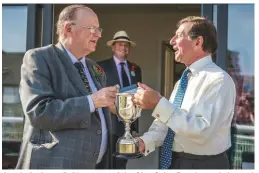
pixel 59 130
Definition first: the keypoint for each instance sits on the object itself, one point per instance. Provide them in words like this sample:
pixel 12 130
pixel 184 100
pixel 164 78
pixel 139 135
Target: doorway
pixel 171 70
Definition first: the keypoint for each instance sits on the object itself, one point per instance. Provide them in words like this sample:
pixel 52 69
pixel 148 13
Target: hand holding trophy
pixel 127 147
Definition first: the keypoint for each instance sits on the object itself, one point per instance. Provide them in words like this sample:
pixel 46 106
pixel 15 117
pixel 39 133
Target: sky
pixel 241 35
pixel 14 26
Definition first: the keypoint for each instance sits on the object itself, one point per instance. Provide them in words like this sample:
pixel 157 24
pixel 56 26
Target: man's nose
pixel 99 34
pixel 172 41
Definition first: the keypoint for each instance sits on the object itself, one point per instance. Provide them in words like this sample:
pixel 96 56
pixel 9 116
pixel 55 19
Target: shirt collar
pixel 117 61
pixel 197 65
pixel 74 59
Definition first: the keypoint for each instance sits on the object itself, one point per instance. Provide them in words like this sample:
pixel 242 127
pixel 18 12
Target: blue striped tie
pixel 166 149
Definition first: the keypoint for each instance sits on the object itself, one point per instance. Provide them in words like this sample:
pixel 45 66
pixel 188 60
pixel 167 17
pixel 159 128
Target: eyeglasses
pixel 92 29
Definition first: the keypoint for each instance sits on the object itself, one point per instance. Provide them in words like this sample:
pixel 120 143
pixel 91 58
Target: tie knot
pixel 185 72
pixel 122 63
pixel 79 65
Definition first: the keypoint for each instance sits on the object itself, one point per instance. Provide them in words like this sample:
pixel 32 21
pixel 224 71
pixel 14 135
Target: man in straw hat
pixel 123 72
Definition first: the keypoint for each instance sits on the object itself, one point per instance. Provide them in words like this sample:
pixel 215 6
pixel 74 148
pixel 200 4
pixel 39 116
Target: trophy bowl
pixel 127 147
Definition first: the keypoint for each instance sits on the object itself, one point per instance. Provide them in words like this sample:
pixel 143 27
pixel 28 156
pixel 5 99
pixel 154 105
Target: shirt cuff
pixel 163 110
pixel 91 103
pixel 149 145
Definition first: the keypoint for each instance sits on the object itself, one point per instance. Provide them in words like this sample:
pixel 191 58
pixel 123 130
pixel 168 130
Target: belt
pixel 196 157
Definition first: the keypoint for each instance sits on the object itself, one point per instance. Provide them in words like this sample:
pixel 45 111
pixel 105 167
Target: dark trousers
pixel 189 161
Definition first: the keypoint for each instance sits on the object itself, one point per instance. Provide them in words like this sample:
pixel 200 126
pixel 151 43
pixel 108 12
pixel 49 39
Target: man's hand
pixel 104 97
pixel 141 145
pixel 112 109
pixel 146 97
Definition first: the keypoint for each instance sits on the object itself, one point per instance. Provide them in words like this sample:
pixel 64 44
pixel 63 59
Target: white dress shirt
pixel 202 124
pixel 118 66
pixel 103 147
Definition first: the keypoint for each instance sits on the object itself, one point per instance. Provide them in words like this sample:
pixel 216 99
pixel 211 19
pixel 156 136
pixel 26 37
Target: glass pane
pixel 14 24
pixel 215 17
pixel 12 110
pixel 12 129
pixel 11 95
pixel 240 59
pixel 12 118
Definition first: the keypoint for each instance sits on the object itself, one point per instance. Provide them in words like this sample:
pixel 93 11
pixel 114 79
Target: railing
pixel 12 129
pixel 243 142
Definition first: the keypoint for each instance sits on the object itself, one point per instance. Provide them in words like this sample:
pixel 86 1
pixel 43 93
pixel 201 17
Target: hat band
pixel 121 38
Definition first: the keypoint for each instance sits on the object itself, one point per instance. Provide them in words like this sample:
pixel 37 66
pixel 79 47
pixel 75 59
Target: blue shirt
pixel 118 66
pixel 104 141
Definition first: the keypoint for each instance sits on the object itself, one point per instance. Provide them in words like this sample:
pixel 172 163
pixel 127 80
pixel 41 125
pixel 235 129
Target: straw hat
pixel 121 36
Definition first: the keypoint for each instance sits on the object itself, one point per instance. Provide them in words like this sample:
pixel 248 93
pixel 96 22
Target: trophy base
pixel 128 156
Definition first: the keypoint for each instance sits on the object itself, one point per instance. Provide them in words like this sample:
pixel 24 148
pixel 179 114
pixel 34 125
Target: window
pixel 12 114
pixel 14 24
pixel 11 95
pixel 240 59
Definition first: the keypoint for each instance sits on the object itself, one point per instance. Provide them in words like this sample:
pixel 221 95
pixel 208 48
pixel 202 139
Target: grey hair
pixel 68 14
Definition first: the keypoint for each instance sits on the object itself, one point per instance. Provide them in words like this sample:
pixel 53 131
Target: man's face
pixel 86 32
pixel 183 44
pixel 121 49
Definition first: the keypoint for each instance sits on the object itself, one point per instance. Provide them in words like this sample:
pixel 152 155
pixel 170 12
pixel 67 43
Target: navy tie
pixel 80 68
pixel 124 76
pixel 166 149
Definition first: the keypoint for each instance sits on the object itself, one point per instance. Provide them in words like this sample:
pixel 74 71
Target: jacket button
pixel 99 132
pixel 84 124
pixel 157 115
pixel 95 154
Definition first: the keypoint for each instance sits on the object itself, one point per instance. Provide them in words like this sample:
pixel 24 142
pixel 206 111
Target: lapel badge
pixel 132 70
pixel 133 73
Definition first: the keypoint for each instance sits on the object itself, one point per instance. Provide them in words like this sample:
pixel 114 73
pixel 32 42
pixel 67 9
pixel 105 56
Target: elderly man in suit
pixel 64 99
pixel 123 72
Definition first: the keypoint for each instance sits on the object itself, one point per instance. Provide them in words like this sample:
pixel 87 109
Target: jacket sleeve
pixel 40 103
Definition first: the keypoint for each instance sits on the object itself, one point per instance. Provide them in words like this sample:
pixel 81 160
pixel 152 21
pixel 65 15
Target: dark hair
pixel 204 28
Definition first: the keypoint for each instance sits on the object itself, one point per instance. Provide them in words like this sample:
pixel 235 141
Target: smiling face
pixel 83 32
pixel 195 38
pixel 83 36
pixel 121 49
pixel 183 45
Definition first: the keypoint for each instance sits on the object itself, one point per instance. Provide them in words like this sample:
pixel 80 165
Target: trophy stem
pixel 127 129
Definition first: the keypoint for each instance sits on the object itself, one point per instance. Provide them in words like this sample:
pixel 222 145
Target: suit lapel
pixel 114 71
pixel 96 79
pixel 71 70
pixel 99 84
pixel 132 78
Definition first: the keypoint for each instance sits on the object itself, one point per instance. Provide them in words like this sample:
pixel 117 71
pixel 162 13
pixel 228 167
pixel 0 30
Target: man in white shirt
pixel 193 126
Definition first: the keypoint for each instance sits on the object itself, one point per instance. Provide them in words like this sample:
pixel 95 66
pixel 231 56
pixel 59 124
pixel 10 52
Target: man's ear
pixel 68 28
pixel 199 41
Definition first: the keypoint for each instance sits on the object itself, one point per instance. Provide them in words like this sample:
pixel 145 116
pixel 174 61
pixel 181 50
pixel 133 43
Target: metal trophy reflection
pixel 127 147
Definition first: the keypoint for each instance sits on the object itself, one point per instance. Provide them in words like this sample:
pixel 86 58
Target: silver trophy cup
pixel 126 146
